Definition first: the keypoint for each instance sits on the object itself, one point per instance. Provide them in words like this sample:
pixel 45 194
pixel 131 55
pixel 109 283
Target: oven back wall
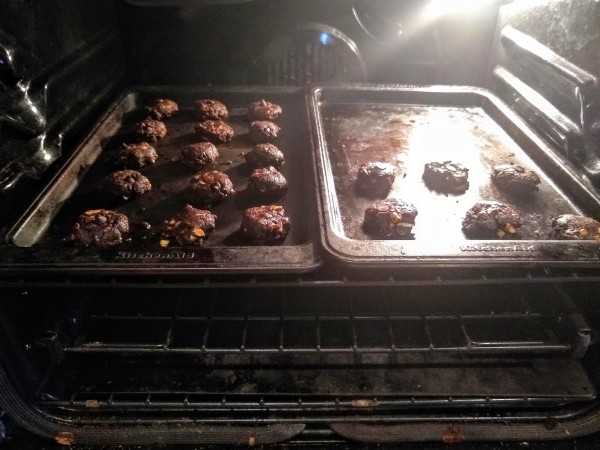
pixel 237 42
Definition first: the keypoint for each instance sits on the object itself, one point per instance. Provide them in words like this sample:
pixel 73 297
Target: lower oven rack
pixel 277 364
pixel 314 324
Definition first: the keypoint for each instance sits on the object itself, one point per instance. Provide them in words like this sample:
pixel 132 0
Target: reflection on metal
pixel 569 28
pixel 385 21
pixel 390 21
pixel 40 106
pixel 24 146
pixel 313 52
pixel 559 98
pixel 438 8
pixel 30 157
pixel 18 108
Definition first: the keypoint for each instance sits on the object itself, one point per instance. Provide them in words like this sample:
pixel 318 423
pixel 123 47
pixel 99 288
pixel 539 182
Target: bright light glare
pixel 438 8
pixel 325 38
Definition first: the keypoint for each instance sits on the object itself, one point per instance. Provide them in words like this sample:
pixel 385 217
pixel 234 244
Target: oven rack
pixel 110 390
pixel 146 407
pixel 210 352
pixel 104 360
pixel 215 404
pixel 308 325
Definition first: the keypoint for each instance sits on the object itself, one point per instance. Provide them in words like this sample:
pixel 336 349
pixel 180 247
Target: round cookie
pixel 101 228
pixel 390 219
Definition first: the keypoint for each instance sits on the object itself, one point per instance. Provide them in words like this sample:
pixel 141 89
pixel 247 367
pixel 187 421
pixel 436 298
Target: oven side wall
pixel 66 65
pixel 569 28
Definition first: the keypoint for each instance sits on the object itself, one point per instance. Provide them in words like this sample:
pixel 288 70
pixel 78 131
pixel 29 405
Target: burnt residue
pixel 453 435
pixel 65 438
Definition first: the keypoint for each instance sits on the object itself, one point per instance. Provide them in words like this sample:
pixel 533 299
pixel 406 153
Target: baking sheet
pixel 78 188
pixel 409 127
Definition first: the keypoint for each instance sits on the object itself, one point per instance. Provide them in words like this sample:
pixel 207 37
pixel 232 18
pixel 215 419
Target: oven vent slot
pixel 556 97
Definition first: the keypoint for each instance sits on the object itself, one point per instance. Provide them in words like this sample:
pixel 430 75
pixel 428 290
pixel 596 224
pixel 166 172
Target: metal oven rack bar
pixel 237 322
pixel 541 338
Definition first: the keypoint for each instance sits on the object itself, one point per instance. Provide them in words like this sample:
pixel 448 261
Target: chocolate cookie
pixel 265 224
pixel 188 227
pixel 448 177
pixel 375 179
pixel 210 109
pixel 262 131
pixel 215 131
pixel 127 184
pixel 491 220
pixel 263 110
pixel 199 155
pixel 575 227
pixel 390 219
pixel 264 155
pixel 137 155
pixel 208 189
pixel 515 179
pixel 101 228
pixel 162 108
pixel 151 130
pixel 267 183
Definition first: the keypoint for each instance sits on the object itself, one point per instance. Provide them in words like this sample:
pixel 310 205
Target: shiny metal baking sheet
pixel 410 126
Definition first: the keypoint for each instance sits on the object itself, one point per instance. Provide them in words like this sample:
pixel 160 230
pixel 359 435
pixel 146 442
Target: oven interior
pixel 307 364
pixel 334 355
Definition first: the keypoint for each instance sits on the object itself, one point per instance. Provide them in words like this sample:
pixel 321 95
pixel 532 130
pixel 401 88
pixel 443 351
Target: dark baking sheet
pixel 410 126
pixel 40 234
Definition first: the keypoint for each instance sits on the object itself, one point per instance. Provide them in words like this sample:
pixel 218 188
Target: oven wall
pixel 69 51
pixel 404 42
pixel 546 66
pixel 569 28
pixel 69 65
